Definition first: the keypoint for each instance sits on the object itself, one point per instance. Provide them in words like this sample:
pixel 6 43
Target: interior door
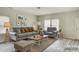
pixel 77 28
pixel 68 28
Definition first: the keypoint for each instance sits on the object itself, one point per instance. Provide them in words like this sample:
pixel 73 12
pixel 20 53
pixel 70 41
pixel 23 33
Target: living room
pixel 51 29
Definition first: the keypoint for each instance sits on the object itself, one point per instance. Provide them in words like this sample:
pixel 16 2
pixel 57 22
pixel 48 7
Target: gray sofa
pixel 51 32
pixel 22 33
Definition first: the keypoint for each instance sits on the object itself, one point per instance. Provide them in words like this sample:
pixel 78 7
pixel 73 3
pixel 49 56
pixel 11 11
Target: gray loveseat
pixel 51 32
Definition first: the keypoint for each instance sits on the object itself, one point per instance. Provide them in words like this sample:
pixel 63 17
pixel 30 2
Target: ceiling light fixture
pixel 10 7
pixel 38 7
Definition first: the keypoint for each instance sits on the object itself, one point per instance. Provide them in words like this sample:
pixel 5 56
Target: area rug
pixel 44 44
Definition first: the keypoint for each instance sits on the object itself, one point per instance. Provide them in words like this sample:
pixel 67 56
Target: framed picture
pixel 21 20
pixel 20 17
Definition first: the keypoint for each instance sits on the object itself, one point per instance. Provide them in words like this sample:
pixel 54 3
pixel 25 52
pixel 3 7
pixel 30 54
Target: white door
pixel 77 28
pixel 68 28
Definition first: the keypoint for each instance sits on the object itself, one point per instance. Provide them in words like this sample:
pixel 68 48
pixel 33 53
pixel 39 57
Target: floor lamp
pixel 7 27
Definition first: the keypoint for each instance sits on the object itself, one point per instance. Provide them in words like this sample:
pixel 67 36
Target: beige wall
pixel 66 19
pixel 31 19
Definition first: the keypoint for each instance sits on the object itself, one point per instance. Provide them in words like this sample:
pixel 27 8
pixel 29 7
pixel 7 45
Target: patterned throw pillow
pixel 18 30
pixel 26 30
pixel 30 29
pixel 23 30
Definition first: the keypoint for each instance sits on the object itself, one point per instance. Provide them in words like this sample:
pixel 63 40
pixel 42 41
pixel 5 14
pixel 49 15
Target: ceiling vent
pixel 38 7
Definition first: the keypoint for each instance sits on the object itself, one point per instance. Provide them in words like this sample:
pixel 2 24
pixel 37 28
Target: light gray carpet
pixel 64 45
pixel 7 47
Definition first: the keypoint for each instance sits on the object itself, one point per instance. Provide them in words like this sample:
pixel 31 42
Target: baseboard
pixel 71 38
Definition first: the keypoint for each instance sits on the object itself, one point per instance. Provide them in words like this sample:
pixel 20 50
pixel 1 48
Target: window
pixel 55 23
pixel 51 23
pixel 46 24
pixel 3 19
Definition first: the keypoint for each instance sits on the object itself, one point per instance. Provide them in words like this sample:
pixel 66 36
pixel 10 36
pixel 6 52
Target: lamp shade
pixel 7 24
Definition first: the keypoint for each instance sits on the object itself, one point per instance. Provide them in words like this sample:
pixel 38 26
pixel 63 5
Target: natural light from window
pixel 3 19
pixel 55 23
pixel 46 24
pixel 51 23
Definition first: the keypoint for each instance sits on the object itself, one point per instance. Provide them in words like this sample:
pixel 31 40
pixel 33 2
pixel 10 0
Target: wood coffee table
pixel 38 38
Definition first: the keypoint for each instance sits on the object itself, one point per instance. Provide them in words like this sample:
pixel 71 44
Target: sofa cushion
pixel 22 35
pixel 26 34
pixel 50 33
pixel 33 33
pixel 51 29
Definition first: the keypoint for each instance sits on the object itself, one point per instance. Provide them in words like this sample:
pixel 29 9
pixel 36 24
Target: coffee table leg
pixel 47 39
pixel 31 46
pixel 39 42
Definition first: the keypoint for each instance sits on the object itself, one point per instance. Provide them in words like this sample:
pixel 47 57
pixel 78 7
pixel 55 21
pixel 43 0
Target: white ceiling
pixel 44 10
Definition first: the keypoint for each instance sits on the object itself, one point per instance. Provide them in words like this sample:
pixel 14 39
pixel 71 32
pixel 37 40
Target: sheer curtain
pixel 55 23
pixel 51 23
pixel 46 24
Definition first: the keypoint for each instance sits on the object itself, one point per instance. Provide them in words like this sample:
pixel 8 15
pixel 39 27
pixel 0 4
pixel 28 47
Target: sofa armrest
pixel 13 35
pixel 45 32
